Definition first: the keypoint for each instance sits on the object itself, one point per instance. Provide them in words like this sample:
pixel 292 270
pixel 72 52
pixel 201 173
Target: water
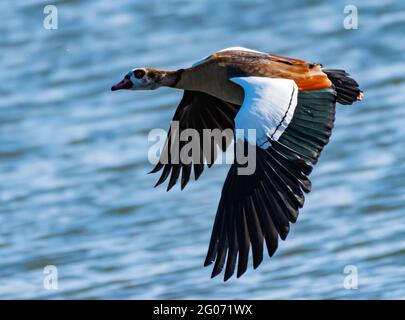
pixel 74 192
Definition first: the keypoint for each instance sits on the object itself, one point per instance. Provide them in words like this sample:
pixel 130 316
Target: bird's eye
pixel 139 73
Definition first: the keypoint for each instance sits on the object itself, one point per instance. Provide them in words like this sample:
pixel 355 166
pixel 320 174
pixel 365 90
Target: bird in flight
pixel 291 105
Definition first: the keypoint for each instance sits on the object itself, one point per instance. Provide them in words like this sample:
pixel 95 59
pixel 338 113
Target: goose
pixel 291 105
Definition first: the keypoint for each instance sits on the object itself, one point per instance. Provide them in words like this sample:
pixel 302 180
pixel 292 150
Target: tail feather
pixel 347 89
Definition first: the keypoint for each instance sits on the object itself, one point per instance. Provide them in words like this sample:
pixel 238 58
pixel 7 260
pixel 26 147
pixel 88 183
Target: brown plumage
pixel 212 75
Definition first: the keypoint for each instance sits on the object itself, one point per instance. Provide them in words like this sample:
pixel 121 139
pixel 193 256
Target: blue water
pixel 74 192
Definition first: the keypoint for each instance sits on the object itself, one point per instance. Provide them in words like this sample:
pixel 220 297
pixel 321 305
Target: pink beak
pixel 123 84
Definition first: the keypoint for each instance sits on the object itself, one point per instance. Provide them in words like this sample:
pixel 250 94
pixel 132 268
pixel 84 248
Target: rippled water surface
pixel 74 192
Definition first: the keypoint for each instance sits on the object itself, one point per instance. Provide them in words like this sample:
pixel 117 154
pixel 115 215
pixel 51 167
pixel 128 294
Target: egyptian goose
pixel 290 103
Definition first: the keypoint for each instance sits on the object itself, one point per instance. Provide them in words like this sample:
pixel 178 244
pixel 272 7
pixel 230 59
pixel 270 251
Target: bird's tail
pixel 347 89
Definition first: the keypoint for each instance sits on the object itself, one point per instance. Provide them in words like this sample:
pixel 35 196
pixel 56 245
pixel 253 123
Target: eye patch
pixel 139 73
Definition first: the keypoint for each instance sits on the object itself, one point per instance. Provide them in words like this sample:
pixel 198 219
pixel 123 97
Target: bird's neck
pixel 198 79
pixel 170 79
pixel 180 79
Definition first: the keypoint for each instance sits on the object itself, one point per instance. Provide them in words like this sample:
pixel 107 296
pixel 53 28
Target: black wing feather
pixel 197 110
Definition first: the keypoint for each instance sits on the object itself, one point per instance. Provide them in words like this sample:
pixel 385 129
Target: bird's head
pixel 146 79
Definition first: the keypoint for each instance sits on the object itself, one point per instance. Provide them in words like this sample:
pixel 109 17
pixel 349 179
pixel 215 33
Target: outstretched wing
pixel 197 110
pixel 291 133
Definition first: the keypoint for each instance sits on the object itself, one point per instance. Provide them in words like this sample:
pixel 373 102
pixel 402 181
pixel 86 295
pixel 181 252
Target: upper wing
pixel 197 110
pixel 243 62
pixel 259 207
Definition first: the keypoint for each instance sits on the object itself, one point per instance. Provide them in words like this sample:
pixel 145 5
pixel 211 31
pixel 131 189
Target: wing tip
pixel 240 273
pixel 208 262
pixel 158 183
pixel 216 271
pixel 157 167
pixel 257 262
pixel 227 275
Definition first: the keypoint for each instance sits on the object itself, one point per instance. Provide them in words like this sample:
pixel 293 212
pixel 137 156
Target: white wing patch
pixel 268 107
pixel 226 49
pixel 240 49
